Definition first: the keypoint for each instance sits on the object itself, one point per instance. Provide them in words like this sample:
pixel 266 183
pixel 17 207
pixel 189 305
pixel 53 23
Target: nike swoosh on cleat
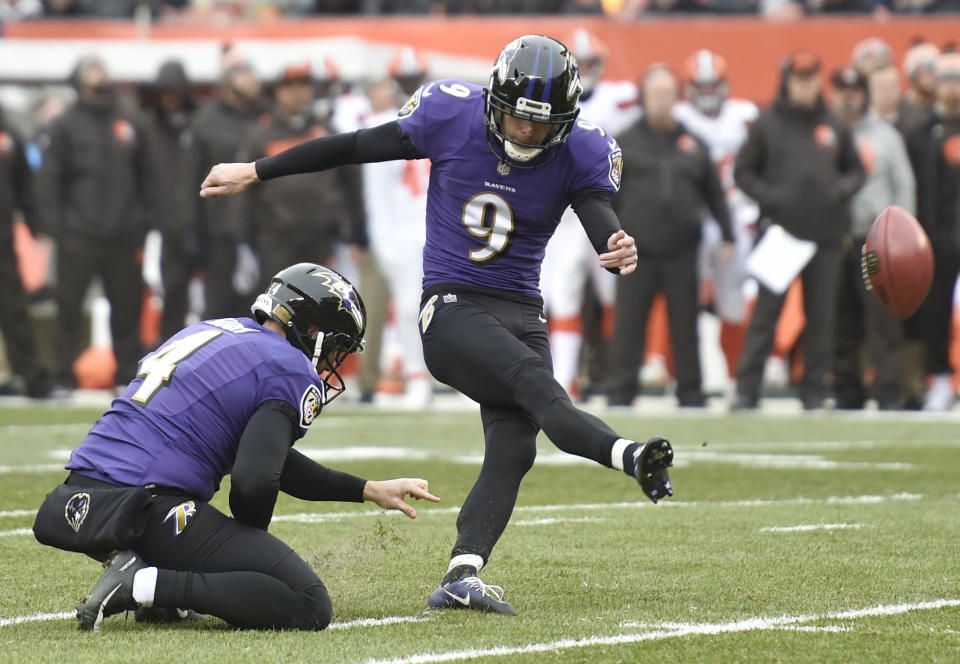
pixel 465 601
pixel 97 623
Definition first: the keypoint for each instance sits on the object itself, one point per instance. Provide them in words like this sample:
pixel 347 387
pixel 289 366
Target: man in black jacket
pixel 670 180
pixel 16 194
pixel 219 131
pixel 938 206
pixel 799 163
pixel 95 185
pixel 315 208
pixel 175 214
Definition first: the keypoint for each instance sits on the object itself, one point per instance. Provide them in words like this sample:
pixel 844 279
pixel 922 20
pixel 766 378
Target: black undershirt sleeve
pixel 261 454
pixel 306 479
pixel 384 142
pixel 597 218
pixel 266 464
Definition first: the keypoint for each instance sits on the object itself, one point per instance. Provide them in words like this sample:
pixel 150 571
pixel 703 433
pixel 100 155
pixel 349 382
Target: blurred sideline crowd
pixel 231 10
pixel 108 177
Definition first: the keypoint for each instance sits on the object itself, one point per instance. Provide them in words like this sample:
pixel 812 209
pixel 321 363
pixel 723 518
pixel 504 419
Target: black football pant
pixel 861 318
pixel 216 565
pixel 676 277
pixel 496 351
pixel 114 260
pixel 15 324
pixel 819 278
pixel 221 300
pixel 936 312
pixel 219 566
pixel 176 264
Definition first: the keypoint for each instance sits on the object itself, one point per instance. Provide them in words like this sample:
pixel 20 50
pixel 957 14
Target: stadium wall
pixel 464 47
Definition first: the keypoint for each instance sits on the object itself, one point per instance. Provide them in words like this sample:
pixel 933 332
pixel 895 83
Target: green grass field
pixel 789 539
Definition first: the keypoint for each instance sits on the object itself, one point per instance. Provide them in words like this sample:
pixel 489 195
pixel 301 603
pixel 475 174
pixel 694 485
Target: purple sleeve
pixel 301 391
pixel 430 117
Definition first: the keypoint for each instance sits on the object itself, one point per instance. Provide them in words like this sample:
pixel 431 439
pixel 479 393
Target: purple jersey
pixel 179 422
pixel 487 223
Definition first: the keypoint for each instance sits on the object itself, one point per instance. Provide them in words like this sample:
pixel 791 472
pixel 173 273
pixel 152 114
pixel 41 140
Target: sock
pixel 461 565
pixel 621 455
pixel 619 458
pixel 144 586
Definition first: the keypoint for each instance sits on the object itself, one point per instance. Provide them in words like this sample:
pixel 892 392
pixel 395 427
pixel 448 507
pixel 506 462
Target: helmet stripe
pixel 549 80
pixel 531 76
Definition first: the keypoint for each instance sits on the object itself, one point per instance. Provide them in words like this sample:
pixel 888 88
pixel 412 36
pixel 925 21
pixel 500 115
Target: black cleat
pixel 112 593
pixel 650 463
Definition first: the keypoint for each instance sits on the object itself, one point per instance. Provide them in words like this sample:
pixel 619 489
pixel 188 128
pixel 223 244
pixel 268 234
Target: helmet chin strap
pixel 518 153
pixel 318 351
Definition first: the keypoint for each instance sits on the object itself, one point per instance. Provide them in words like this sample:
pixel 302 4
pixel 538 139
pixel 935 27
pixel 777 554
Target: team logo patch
pixel 123 131
pixel 181 515
pixel 825 136
pixel 310 404
pixel 951 150
pixel 76 510
pixel 616 167
pixel 426 314
pixel 411 104
pixel 347 296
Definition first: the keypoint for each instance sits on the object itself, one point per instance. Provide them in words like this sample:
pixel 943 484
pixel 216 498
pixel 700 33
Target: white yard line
pixel 670 630
pixel 348 624
pixel 376 622
pixel 325 517
pixel 811 526
pixel 9 514
pixel 37 617
pixel 34 468
pixel 551 520
pixel 16 531
pixel 321 517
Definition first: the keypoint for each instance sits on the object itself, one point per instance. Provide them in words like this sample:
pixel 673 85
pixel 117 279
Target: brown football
pixel 897 261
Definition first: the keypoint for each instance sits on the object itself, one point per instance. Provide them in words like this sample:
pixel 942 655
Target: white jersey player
pixel 395 201
pixel 722 123
pixel 570 262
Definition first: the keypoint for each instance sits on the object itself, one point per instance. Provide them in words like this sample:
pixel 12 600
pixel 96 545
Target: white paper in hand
pixel 778 258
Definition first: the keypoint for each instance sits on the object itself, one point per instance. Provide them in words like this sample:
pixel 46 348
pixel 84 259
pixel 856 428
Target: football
pixel 897 261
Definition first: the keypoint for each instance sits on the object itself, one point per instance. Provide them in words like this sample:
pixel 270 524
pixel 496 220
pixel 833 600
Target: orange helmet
pixel 705 74
pixel 591 55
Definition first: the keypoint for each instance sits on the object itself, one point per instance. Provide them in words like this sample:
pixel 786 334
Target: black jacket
pixel 802 167
pixel 175 211
pixel 96 178
pixel 219 132
pixel 938 178
pixel 324 202
pixel 16 184
pixel 668 180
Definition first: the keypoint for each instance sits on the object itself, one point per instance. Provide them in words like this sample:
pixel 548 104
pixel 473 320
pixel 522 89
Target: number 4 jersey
pixel 488 223
pixel 179 422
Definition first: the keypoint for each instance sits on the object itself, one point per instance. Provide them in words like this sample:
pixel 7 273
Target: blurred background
pixel 114 110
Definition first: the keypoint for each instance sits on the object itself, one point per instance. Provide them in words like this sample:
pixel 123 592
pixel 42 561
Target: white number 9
pixel 489 216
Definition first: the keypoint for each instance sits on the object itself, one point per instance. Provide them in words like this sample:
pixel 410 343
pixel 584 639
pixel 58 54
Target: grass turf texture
pixel 585 557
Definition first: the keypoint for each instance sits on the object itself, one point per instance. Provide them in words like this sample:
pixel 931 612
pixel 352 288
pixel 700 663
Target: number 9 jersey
pixel 488 221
